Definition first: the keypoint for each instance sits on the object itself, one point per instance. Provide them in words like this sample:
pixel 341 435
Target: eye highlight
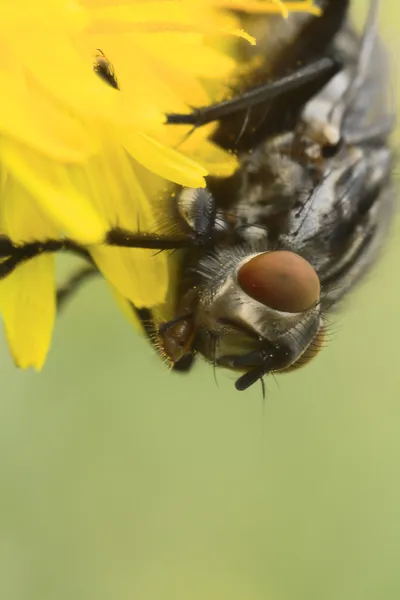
pixel 281 280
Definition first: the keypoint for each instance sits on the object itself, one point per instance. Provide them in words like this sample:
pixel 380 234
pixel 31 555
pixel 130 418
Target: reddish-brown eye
pixel 281 280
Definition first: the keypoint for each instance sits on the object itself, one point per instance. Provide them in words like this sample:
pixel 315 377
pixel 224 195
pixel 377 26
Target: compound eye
pixel 282 280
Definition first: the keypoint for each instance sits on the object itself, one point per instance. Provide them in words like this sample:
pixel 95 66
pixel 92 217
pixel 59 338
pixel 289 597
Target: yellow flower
pixel 72 148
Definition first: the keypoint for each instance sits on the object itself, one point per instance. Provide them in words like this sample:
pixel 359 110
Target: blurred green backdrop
pixel 121 481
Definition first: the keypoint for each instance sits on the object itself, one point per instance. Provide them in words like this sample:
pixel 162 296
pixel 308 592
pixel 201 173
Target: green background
pixel 119 480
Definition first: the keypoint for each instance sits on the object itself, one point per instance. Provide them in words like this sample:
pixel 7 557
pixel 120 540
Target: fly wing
pixel 356 104
pixel 369 109
pixel 344 221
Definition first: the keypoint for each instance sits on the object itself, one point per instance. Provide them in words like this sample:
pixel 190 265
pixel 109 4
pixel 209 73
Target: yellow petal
pixel 163 14
pixel 20 216
pixel 50 184
pixel 28 308
pixel 139 275
pixel 27 300
pixel 67 77
pixel 31 116
pixel 217 161
pixel 144 85
pixel 187 52
pixel 45 16
pixel 163 161
pixel 127 310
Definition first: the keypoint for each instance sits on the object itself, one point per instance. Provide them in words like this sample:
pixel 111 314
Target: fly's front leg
pixel 12 255
pixel 15 255
pixel 178 335
pixel 74 283
pixel 325 66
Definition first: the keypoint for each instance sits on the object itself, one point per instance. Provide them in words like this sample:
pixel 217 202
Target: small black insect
pixel 266 253
pixel 104 69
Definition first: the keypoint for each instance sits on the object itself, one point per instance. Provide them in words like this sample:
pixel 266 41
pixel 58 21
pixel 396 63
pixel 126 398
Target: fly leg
pixel 177 336
pixel 74 283
pixel 15 255
pixel 198 216
pixel 326 66
pixel 12 255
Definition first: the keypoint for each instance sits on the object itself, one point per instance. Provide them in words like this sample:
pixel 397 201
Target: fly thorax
pixel 272 182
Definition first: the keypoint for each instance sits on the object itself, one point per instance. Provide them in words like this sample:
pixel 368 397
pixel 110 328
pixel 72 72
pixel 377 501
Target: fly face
pixel 257 312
